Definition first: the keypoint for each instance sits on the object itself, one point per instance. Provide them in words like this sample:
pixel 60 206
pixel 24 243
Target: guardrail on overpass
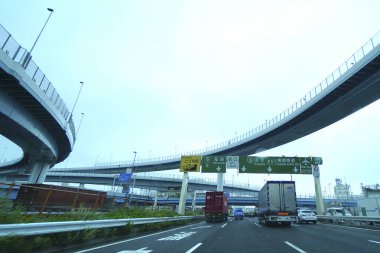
pixel 353 63
pixel 18 54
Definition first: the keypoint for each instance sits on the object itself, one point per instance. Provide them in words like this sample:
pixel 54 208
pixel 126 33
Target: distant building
pixel 342 191
pixel 369 202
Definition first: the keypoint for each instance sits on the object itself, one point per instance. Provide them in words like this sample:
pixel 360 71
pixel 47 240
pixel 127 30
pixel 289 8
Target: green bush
pixel 10 214
pixel 15 244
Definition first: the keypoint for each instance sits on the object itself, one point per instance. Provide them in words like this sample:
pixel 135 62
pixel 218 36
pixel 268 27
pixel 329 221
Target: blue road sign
pixel 125 177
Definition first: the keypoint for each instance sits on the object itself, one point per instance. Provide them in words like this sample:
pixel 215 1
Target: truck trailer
pixel 216 207
pixel 277 203
pixel 42 197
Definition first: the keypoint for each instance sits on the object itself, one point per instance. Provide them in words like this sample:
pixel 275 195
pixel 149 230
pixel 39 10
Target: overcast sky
pixel 166 77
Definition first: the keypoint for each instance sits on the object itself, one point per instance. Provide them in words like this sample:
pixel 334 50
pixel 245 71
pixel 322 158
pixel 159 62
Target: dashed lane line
pixel 194 248
pixel 374 241
pixel 295 247
pixel 224 225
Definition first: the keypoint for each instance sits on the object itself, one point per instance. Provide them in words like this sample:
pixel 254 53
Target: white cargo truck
pixel 277 203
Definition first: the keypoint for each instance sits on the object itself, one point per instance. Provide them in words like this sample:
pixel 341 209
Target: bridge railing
pixel 331 79
pixel 158 177
pixel 21 56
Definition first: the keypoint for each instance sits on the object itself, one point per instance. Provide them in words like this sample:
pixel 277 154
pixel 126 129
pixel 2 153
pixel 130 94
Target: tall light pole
pixel 76 100
pixel 29 55
pixel 51 12
pixel 134 180
pixel 80 123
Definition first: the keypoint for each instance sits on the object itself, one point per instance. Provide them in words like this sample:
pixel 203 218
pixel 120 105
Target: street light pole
pixel 29 54
pixel 51 12
pixel 76 100
pixel 134 180
pixel 80 123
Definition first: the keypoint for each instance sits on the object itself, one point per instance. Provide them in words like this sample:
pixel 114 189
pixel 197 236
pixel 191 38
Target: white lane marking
pixel 295 225
pixel 257 225
pixel 194 248
pixel 295 247
pixel 176 237
pixel 201 227
pixel 142 250
pixel 141 237
pixel 224 225
pixel 374 241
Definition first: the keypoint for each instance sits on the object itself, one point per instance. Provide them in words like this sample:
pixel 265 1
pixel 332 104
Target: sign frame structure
pixel 278 164
pixel 190 163
pixel 214 164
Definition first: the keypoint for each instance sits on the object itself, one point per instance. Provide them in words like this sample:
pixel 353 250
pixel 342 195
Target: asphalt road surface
pixel 248 236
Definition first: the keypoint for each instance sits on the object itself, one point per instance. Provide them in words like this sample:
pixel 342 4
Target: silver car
pixel 306 216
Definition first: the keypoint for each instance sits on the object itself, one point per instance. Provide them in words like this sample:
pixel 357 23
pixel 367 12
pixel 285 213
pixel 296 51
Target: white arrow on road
pixel 295 169
pixel 244 168
pixel 269 169
pixel 142 250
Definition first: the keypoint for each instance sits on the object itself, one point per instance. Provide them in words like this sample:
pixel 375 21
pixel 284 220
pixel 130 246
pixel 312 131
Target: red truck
pixel 216 207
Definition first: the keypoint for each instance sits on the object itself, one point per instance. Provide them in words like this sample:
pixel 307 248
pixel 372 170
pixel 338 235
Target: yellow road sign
pixel 190 164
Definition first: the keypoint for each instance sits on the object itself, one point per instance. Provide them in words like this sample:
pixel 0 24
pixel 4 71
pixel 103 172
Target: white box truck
pixel 277 203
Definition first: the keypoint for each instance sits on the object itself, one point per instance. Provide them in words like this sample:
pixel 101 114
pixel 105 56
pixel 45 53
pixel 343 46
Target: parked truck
pixel 216 207
pixel 277 203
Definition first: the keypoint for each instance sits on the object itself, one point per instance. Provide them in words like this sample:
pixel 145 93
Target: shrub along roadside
pixel 58 241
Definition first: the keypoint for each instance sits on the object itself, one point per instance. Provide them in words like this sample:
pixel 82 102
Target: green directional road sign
pixel 214 164
pixel 278 164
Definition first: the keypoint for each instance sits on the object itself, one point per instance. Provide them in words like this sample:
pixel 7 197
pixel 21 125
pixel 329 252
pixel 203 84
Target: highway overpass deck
pixel 352 86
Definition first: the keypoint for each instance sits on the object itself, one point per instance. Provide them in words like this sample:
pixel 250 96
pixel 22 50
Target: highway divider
pixel 372 222
pixel 41 228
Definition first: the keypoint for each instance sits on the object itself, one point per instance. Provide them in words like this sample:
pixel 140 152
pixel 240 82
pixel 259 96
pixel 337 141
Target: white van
pixel 338 211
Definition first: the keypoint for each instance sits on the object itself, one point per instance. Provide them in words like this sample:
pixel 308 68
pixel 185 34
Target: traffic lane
pixel 246 236
pixel 249 235
pixel 174 240
pixel 331 238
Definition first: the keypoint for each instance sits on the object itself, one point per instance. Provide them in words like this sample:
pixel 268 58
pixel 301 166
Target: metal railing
pixel 357 221
pixel 21 56
pixel 166 177
pixel 41 228
pixel 330 81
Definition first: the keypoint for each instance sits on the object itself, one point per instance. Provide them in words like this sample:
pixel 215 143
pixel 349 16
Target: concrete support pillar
pixel 219 185
pixel 183 197
pixel 318 191
pixel 155 201
pixel 194 201
pixel 39 172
